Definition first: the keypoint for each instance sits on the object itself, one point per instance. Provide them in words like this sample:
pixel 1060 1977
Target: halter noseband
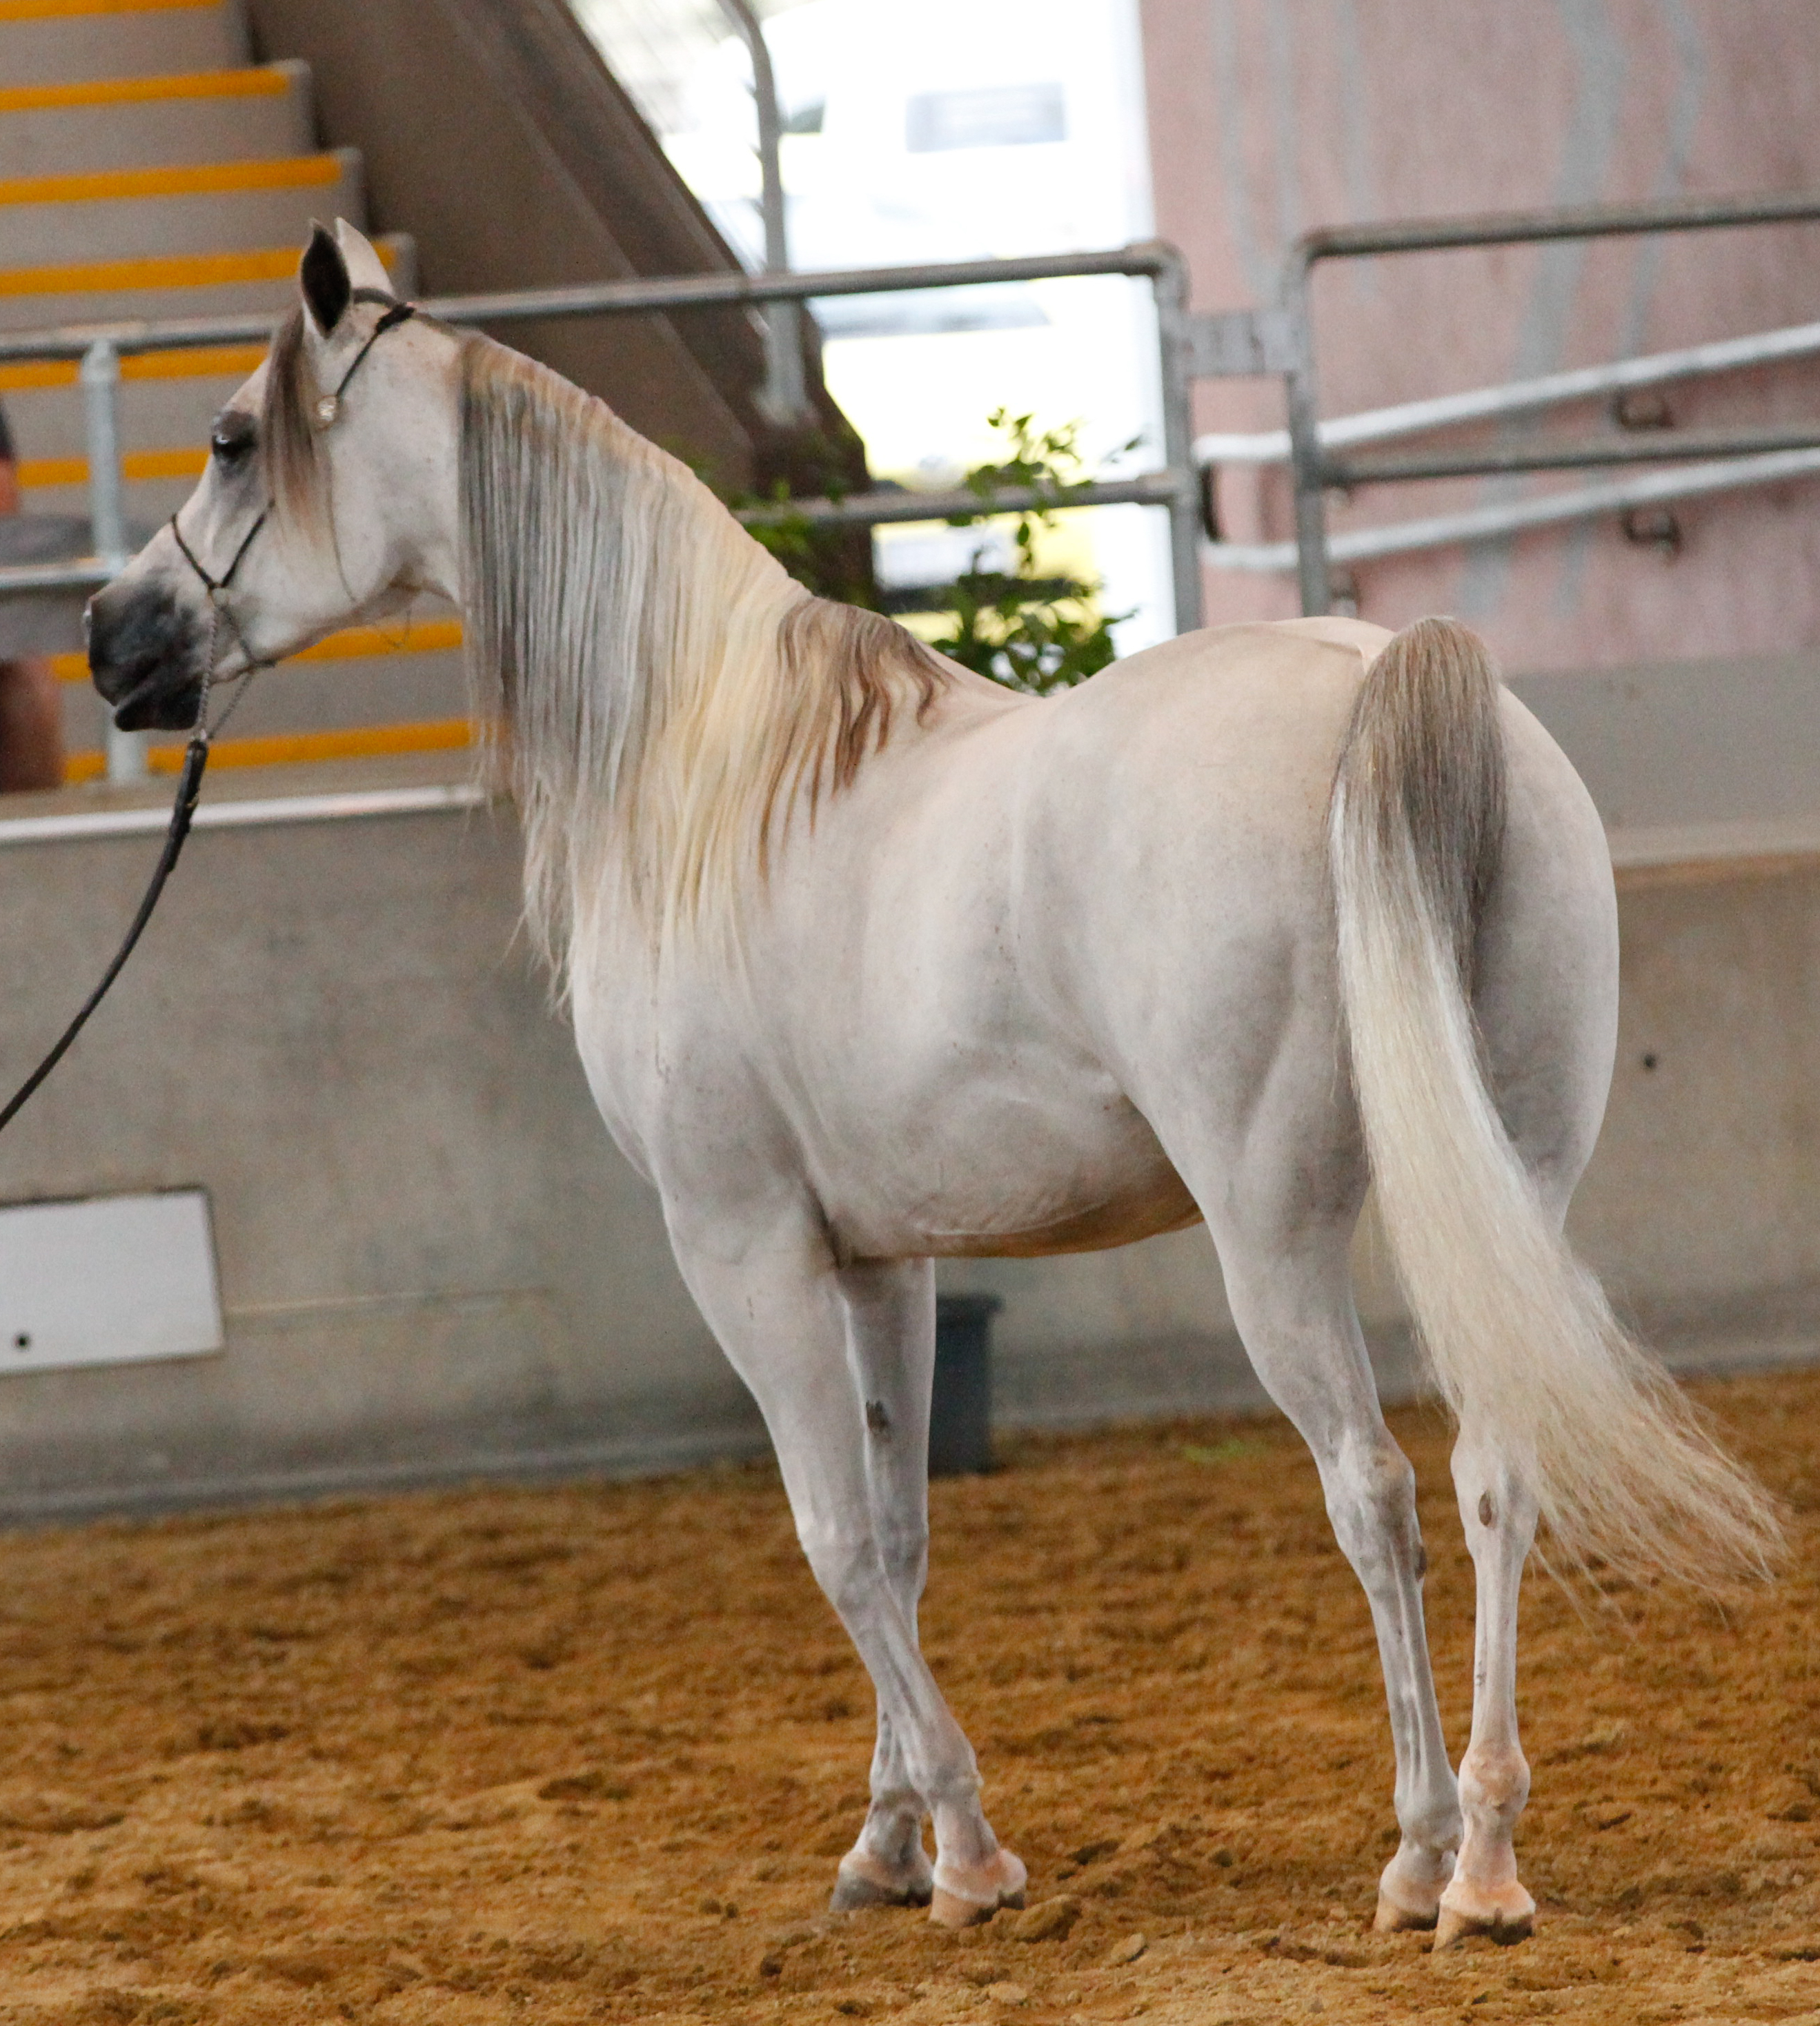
pixel 326 410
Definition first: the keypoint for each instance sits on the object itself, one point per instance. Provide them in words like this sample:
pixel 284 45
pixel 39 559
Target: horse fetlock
pixel 893 1831
pixel 1494 1787
pixel 1432 1826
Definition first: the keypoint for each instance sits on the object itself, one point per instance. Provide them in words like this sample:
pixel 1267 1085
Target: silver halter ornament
pixel 327 409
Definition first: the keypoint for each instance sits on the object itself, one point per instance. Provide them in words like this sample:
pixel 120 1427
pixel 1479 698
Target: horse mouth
pixel 151 705
pixel 144 651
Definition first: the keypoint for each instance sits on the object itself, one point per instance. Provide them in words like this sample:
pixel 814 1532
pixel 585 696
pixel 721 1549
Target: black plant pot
pixel 961 1411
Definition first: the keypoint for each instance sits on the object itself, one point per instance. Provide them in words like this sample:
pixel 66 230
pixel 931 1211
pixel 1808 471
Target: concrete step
pixel 221 115
pixel 257 279
pixel 149 500
pixel 199 207
pixel 68 42
pixel 166 409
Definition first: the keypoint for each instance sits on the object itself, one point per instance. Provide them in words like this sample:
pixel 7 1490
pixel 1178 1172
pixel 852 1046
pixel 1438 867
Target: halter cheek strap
pixel 329 405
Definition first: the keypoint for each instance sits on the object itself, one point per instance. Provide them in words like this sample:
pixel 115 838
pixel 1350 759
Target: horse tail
pixel 1521 1340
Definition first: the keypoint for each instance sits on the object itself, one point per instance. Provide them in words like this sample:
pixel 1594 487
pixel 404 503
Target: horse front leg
pixel 890 1347
pixel 774 1301
pixel 1484 1896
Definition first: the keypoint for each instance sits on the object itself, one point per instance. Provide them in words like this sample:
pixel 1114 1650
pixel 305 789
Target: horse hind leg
pixel 1497 1511
pixel 891 1330
pixel 1291 1297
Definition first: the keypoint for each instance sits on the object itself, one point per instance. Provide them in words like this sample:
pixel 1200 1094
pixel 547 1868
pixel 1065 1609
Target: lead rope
pixel 195 751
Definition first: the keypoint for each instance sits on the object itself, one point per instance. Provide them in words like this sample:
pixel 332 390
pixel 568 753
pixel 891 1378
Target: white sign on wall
pixel 107 1280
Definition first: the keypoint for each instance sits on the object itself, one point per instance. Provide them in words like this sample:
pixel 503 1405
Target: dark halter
pixel 195 753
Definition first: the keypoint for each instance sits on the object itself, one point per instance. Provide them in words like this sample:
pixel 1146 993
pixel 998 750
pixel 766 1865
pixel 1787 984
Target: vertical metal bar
pixel 1169 283
pixel 101 387
pixel 1304 406
pixel 784 399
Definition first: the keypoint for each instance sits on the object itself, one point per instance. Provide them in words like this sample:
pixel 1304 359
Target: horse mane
pixel 670 696
pixel 666 697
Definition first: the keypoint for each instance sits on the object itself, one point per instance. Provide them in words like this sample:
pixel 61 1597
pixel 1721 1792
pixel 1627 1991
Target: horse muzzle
pixel 146 653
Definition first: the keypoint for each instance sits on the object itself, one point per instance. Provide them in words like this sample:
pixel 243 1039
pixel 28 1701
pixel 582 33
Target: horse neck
pixel 636 629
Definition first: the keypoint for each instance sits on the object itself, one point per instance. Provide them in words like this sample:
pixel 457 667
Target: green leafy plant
pixel 1030 629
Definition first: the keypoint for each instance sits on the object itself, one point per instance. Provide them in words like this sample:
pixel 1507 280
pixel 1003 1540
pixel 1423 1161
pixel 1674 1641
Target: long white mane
pixel 673 699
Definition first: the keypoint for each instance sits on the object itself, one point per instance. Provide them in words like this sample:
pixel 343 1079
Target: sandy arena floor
pixel 591 1753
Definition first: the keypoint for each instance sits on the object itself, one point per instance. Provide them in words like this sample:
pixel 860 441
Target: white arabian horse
pixel 873 962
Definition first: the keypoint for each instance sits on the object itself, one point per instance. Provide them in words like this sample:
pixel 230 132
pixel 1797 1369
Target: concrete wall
pixel 429 1253
pixel 1269 117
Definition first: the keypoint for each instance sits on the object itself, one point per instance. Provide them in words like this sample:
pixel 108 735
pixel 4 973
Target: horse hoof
pixel 1392 1918
pixel 1505 1914
pixel 963 1898
pixel 866 1880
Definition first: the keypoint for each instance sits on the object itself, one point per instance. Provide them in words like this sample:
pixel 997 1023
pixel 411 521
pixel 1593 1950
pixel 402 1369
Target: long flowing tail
pixel 1520 1336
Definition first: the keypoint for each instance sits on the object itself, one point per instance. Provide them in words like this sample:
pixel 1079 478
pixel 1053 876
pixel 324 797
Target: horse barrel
pixel 961 1412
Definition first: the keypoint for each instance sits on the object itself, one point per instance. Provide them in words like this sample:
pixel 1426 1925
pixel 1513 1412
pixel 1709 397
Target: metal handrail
pixel 1313 471
pixel 1521 397
pixel 1549 509
pixel 100 348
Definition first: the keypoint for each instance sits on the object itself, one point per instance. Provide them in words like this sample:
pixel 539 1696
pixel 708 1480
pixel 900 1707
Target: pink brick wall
pixel 1270 117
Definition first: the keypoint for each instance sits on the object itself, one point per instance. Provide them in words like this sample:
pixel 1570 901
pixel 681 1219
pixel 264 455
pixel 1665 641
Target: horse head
pixel 329 497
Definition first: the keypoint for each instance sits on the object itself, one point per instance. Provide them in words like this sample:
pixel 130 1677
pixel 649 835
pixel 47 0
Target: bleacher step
pixel 67 42
pixel 256 280
pixel 191 208
pixel 221 115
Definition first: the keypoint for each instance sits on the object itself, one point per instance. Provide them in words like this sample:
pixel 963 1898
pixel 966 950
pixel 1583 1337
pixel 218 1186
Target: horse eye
pixel 233 436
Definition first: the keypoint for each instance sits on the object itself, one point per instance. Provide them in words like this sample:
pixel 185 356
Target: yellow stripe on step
pixel 196 179
pixel 292 748
pixel 206 362
pixel 427 636
pixel 252 81
pixel 61 10
pixel 137 465
pixel 169 270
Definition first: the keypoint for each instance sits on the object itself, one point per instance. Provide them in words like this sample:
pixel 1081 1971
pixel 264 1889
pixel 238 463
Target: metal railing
pixel 1521 397
pixel 1286 342
pixel 100 348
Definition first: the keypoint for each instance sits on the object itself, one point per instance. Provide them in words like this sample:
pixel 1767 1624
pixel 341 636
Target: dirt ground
pixel 590 1753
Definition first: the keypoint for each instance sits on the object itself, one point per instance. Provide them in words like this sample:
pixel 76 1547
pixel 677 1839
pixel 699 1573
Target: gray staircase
pixel 148 170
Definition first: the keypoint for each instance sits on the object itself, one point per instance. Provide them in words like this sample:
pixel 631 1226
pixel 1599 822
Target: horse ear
pixel 365 268
pixel 322 274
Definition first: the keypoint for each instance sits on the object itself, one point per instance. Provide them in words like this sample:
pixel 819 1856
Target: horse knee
pixel 1371 1499
pixel 905 1552
pixel 846 1563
